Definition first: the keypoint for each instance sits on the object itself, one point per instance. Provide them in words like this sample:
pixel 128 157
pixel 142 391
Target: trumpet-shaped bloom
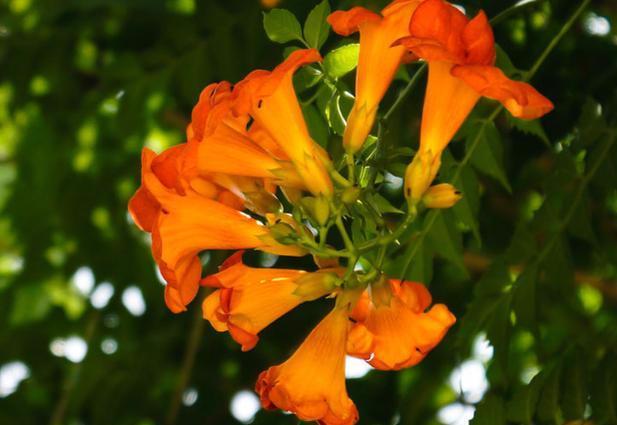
pixel 392 329
pixel 183 222
pixel 223 145
pixel 250 299
pixel 269 97
pixel 311 383
pixel 461 56
pixel 377 63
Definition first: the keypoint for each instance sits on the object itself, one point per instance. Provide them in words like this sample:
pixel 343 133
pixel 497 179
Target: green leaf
pixel 341 61
pixel 580 224
pixel 282 26
pixel 382 204
pixel 487 156
pixel 446 240
pixel 532 127
pixel 421 267
pixel 604 392
pixel 498 330
pixel 522 246
pixel 574 387
pixel 491 411
pixel 548 405
pixel 524 298
pixel 317 126
pixel 316 28
pixel 504 63
pixel 489 292
pixel 467 208
pixel 31 304
pixel 591 124
pixel 522 407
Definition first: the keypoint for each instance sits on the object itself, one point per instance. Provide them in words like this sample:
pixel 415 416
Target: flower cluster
pixel 249 153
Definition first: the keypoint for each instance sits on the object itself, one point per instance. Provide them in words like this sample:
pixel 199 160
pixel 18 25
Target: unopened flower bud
pixel 350 195
pixel 318 207
pixel 282 232
pixel 420 174
pixel 442 195
pixel 315 285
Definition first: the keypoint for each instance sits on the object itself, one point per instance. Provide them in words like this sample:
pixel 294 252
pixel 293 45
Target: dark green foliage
pixel 527 258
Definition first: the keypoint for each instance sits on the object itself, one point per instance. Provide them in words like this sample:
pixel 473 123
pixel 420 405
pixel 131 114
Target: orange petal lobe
pixel 249 300
pixel 435 32
pixel 311 383
pixel 397 332
pixel 346 22
pixel 521 99
pixel 479 41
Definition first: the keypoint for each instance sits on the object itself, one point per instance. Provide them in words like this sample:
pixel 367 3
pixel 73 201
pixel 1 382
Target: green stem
pixel 346 239
pixel 188 362
pixel 577 199
pixel 351 167
pixel 405 92
pixel 518 7
pixel 564 29
pixel 382 124
pixel 387 239
pixel 336 176
pixel 74 373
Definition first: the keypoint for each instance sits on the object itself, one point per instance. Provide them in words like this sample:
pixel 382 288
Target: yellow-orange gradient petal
pixel 397 332
pixel 249 298
pixel 183 224
pixel 447 103
pixel 311 383
pixel 377 63
pixel 236 154
pixel 269 97
pixel 521 99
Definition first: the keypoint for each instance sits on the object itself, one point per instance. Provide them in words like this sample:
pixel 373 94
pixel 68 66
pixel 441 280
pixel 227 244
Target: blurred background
pixel 85 337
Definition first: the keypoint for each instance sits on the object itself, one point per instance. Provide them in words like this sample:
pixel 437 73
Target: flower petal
pixel 435 32
pixel 346 22
pixel 479 41
pixel 521 99
pixel 311 383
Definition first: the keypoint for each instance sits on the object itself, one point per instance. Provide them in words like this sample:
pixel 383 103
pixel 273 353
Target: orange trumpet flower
pixel 392 329
pixel 311 383
pixel 461 54
pixel 250 299
pixel 183 223
pixel 377 63
pixel 269 97
pixel 224 146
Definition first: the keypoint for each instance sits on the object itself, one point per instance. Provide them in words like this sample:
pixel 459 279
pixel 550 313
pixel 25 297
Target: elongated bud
pixel 420 174
pixel 442 195
pixel 315 285
pixel 318 208
pixel 283 233
pixel 350 195
pixel 359 125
